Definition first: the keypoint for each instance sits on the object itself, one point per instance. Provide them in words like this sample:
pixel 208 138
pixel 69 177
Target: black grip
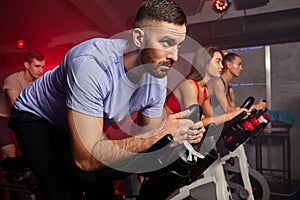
pixel 253 113
pixel 212 130
pixel 260 112
pixel 235 120
pixel 248 103
pixel 263 100
pixel 163 142
pixel 195 113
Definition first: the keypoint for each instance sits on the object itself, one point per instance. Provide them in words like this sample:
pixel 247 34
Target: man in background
pixel 13 84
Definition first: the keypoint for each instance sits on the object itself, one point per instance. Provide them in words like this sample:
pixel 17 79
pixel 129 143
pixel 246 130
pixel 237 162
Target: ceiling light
pixel 20 44
pixel 221 5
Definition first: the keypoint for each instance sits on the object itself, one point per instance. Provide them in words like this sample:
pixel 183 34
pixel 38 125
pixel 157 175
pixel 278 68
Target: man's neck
pixel 132 64
pixel 28 77
pixel 227 76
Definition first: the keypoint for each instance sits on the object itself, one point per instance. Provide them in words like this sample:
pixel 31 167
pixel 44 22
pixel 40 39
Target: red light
pixel 20 44
pixel 221 5
pixel 229 138
pixel 266 116
pixel 248 126
pixel 255 121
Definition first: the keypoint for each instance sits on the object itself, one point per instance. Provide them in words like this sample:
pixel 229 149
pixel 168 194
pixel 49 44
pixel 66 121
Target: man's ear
pixel 138 37
pixel 26 64
pixel 228 65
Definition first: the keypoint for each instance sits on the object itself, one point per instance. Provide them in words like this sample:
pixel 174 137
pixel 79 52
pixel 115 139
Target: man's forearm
pixel 117 153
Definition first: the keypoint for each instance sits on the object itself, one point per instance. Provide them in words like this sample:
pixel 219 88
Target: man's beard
pixel 149 63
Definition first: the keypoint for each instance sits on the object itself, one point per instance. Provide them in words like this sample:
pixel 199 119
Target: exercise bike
pixel 172 168
pixel 180 167
pixel 17 177
pixel 174 181
pixel 237 169
pixel 230 177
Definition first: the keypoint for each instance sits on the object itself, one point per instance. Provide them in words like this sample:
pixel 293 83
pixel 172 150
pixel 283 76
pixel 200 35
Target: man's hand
pixel 236 112
pixel 261 105
pixel 183 129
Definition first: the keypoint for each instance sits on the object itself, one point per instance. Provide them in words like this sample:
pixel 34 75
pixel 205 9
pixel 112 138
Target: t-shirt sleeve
pixel 85 94
pixel 11 83
pixel 156 107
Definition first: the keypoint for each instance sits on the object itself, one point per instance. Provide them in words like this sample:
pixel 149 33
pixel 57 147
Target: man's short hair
pixel 34 54
pixel 229 57
pixel 160 10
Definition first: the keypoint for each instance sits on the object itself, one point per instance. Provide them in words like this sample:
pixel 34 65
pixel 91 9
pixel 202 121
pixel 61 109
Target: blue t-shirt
pixel 91 80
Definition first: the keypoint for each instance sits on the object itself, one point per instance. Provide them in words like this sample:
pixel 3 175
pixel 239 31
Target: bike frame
pixel 216 174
